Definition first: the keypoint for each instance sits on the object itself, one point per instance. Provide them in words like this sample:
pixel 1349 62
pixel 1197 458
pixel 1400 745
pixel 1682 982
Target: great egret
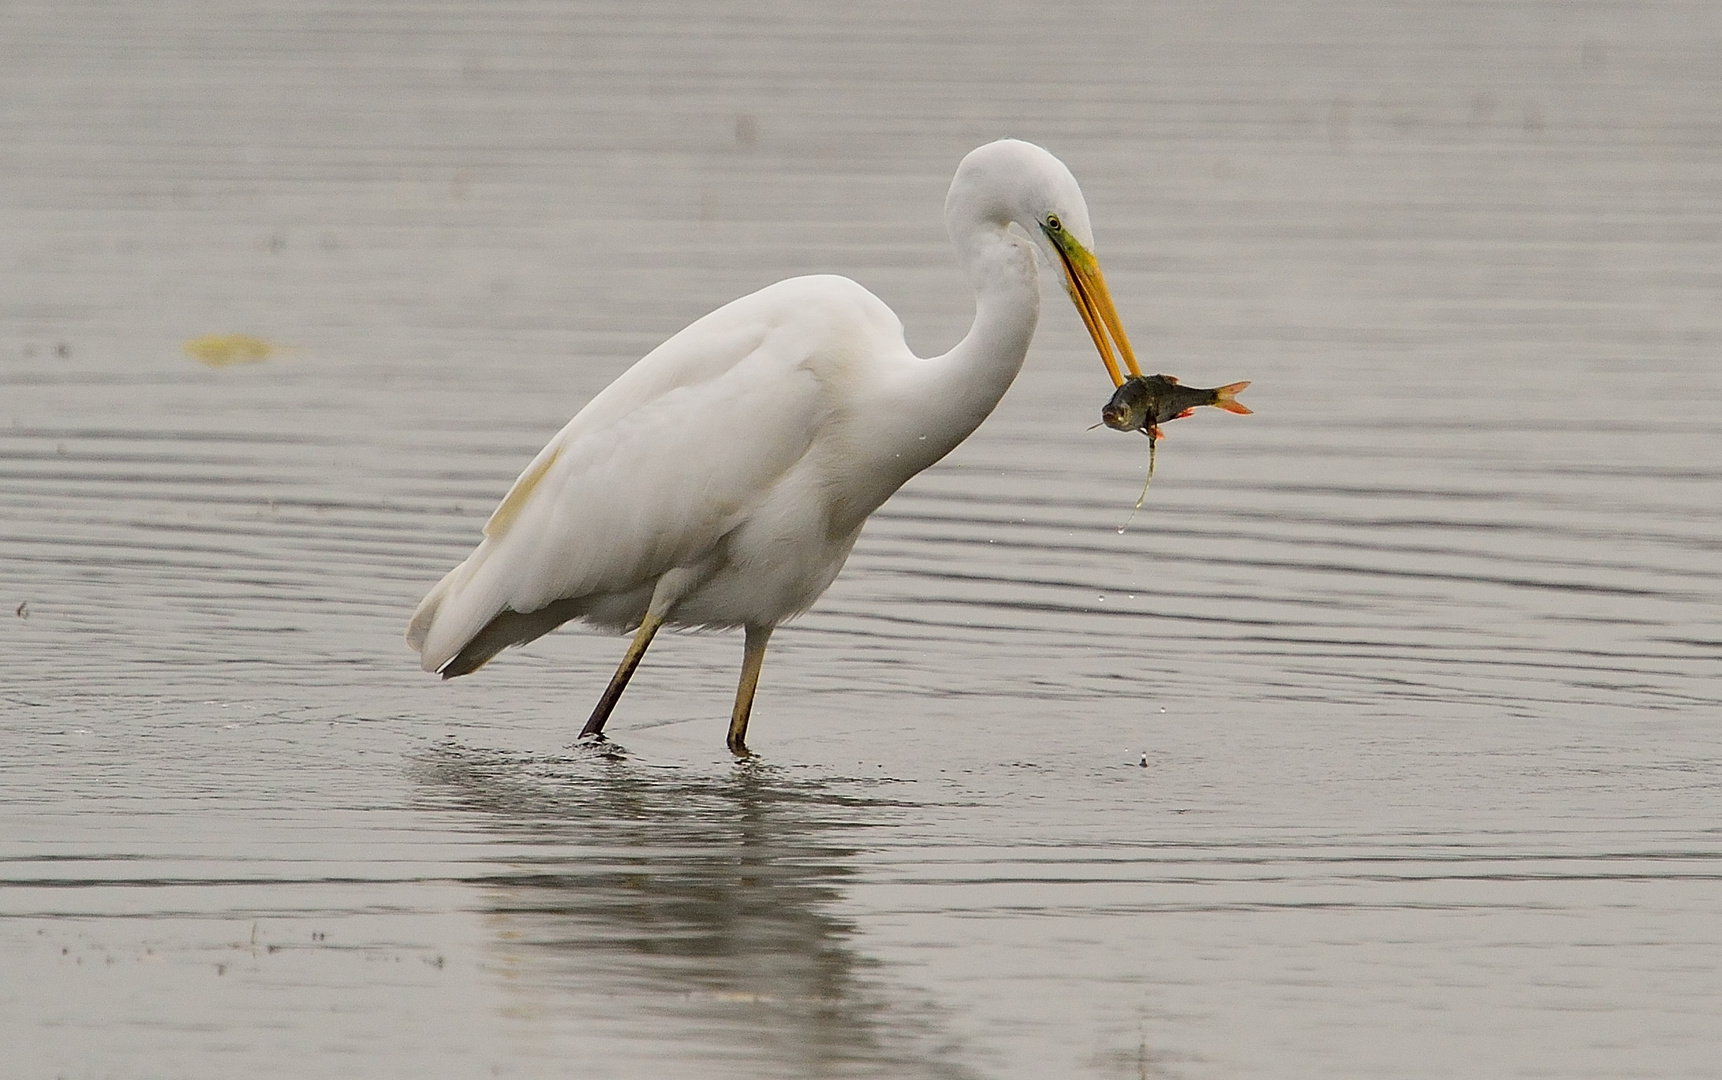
pixel 722 480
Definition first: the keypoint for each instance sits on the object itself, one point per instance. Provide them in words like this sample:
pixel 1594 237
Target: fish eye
pixel 1053 224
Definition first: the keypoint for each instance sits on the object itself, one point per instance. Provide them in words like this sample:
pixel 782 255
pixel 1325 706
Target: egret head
pixel 1011 182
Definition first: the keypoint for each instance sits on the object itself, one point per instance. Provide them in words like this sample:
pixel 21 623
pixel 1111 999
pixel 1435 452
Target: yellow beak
pixel 1087 287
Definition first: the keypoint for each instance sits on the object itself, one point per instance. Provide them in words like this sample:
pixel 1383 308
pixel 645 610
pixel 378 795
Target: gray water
pixel 1386 741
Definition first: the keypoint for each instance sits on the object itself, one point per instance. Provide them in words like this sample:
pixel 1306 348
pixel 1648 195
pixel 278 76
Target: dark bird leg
pixel 753 656
pixel 619 682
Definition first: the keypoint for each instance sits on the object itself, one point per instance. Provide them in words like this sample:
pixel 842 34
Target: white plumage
pixel 723 479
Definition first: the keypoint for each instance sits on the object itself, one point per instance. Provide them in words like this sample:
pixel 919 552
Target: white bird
pixel 723 479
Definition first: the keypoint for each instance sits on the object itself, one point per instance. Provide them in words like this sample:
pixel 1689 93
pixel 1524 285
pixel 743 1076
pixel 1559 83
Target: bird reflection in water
pixel 689 915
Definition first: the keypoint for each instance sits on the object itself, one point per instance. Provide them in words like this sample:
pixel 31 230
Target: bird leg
pixel 619 682
pixel 753 656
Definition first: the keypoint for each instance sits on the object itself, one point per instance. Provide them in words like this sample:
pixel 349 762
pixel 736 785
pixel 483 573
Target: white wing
pixel 666 461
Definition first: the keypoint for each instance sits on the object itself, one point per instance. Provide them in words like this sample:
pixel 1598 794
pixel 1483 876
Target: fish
pixel 1143 403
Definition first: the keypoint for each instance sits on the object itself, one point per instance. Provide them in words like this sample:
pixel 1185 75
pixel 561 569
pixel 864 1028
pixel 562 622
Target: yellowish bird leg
pixel 753 656
pixel 619 682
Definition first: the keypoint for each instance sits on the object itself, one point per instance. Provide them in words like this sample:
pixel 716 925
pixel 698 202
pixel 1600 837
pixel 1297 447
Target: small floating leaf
pixel 223 350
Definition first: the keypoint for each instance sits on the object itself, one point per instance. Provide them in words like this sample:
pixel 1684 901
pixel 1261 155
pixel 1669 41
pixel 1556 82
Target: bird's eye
pixel 1053 224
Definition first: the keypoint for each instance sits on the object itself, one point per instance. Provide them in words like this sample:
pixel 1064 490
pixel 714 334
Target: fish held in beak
pixel 1143 403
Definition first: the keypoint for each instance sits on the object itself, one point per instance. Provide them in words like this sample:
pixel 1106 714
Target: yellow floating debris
pixel 222 350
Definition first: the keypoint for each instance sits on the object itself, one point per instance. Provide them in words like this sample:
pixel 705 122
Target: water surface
pixel 1387 740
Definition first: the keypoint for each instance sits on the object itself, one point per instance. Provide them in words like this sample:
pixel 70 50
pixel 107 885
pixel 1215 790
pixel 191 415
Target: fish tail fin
pixel 1226 397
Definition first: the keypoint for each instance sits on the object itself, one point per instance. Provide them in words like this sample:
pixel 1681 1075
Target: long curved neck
pixel 962 387
pixel 931 405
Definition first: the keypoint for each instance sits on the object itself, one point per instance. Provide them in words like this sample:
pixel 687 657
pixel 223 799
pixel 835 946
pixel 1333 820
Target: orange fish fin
pixel 1186 412
pixel 1226 397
